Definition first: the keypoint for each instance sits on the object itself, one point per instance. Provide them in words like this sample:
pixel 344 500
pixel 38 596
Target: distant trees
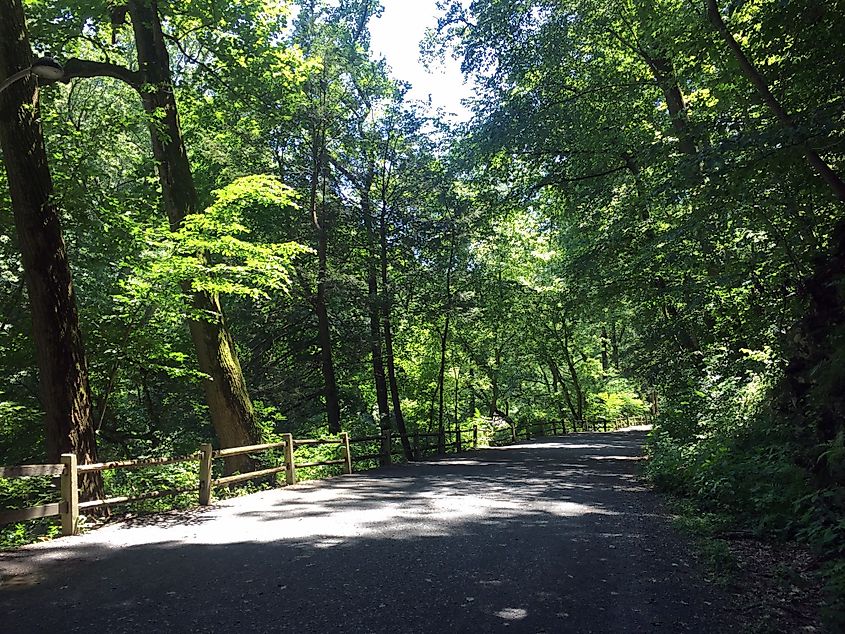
pixel 686 161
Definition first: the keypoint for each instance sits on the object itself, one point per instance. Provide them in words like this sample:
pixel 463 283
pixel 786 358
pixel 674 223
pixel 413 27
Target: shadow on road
pixel 553 535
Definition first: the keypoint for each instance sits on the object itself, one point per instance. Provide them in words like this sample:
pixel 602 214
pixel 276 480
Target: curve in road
pixel 554 535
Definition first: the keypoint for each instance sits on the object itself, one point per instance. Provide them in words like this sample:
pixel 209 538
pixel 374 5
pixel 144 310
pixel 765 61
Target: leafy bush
pixel 740 460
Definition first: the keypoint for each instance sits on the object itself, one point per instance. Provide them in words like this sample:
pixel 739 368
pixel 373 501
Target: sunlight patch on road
pixel 512 614
pixel 430 514
pixel 634 458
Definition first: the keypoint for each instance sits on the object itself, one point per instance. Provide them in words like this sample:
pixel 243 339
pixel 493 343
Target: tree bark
pixel 374 310
pixel 230 407
pixel 456 401
pixel 614 345
pixel 605 357
pixel 319 301
pixel 386 308
pixel 444 338
pixel 60 355
pixel 558 378
pixel 441 376
pixel 494 384
pixel 663 72
pixel 573 373
pixel 472 392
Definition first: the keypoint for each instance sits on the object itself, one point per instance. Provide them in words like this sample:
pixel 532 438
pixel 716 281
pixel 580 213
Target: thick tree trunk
pixel 327 361
pixel 230 407
pixel 62 370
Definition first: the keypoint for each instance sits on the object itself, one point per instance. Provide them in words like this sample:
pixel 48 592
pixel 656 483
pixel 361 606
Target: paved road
pixel 546 536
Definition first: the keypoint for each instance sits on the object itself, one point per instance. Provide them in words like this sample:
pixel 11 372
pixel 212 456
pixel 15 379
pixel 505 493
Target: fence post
pixel 542 430
pixel 458 447
pixel 527 431
pixel 384 459
pixel 513 432
pixel 417 453
pixel 207 452
pixel 347 454
pixel 554 428
pixel 70 495
pixel 475 436
pixel 605 424
pixel 290 465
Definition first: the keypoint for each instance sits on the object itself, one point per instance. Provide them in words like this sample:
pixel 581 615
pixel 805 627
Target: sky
pixel 396 35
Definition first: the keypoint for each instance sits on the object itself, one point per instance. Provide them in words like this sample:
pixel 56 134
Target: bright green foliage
pixel 682 211
pixel 625 228
pixel 212 251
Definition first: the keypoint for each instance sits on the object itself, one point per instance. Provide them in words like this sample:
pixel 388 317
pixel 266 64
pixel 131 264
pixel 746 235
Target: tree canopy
pixel 266 235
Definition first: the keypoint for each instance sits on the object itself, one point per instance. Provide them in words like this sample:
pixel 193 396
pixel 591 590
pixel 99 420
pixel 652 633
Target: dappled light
pixel 504 536
pixel 512 614
pixel 466 254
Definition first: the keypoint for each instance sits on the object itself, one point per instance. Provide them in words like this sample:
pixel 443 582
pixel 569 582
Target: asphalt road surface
pixel 553 535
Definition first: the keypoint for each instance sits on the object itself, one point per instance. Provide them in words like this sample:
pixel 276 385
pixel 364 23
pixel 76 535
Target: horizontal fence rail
pixel 390 444
pixel 30 470
pixel 135 464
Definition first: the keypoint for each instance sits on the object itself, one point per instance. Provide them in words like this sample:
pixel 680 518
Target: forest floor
pixel 551 535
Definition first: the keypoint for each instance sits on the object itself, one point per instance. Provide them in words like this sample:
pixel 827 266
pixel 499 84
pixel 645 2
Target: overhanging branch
pixel 84 68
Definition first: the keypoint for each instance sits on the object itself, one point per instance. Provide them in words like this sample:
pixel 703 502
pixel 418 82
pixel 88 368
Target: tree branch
pixel 559 180
pixel 84 68
pixel 757 80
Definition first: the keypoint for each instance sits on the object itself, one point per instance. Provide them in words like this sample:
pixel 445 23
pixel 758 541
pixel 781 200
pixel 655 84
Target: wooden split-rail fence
pixel 68 470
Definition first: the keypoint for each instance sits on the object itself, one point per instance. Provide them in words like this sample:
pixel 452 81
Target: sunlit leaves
pixel 211 251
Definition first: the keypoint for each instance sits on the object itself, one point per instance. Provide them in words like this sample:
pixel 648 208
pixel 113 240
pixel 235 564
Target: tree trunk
pixel 614 346
pixel 386 308
pixel 230 407
pixel 319 301
pixel 330 390
pixel 559 381
pixel 472 392
pixel 441 428
pixel 62 370
pixel 663 72
pixel 457 398
pixel 605 360
pixel 494 384
pixel 573 373
pixel 374 314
